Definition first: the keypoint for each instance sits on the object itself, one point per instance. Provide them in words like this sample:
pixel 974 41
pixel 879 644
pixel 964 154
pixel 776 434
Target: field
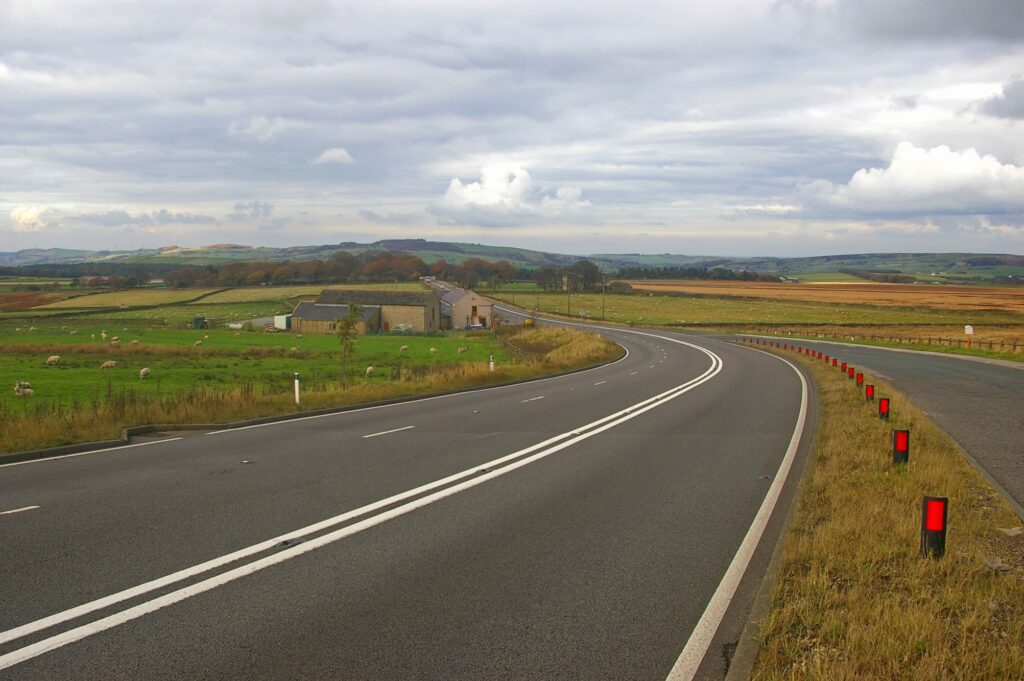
pixel 129 298
pixel 261 293
pixel 732 310
pixel 966 298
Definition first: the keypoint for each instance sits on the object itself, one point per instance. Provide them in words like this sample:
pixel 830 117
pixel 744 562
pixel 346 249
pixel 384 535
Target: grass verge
pixel 538 352
pixel 854 599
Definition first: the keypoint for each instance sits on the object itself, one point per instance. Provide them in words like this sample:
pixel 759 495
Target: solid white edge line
pixel 686 666
pixel 18 510
pixel 65 638
pixel 226 559
pixel 91 451
pixel 388 432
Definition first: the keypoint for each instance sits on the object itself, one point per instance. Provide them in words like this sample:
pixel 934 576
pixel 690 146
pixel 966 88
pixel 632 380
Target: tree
pixel 348 330
pixel 588 274
pixel 548 278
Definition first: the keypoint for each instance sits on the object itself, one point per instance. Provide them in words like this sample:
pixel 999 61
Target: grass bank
pixel 521 353
pixel 854 599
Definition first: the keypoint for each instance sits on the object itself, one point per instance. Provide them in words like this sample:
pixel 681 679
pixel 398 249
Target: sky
pixel 734 127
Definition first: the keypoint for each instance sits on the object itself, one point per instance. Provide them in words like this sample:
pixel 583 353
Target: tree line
pixel 675 272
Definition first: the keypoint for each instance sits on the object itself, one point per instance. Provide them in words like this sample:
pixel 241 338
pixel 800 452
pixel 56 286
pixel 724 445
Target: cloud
pixel 920 182
pixel 252 211
pixel 1009 103
pixel 32 219
pixel 120 218
pixel 334 155
pixel 260 128
pixel 390 218
pixel 505 195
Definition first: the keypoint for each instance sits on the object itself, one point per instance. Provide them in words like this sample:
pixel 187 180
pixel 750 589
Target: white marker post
pixel 296 388
pixel 968 331
pixel 492 364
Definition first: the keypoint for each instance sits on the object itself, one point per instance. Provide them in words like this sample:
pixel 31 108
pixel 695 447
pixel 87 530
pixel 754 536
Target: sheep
pixel 109 364
pixel 103 335
pixel 115 343
pixel 18 329
pixel 21 385
pixel 53 360
pixel 116 338
pixel 198 343
pixel 462 350
pixel 433 351
pixel 24 392
pixel 144 372
pixel 293 349
pixel 31 329
pixel 369 371
pixel 238 333
pixel 94 336
pixel 403 348
pixel 74 332
pixel 134 341
pixel 206 336
pixel 298 335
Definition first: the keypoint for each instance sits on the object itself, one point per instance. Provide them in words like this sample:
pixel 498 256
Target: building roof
pixel 454 295
pixel 343 297
pixel 319 312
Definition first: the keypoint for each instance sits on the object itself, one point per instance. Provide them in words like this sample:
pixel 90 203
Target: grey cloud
pixel 1009 103
pixel 389 218
pixel 118 218
pixel 251 211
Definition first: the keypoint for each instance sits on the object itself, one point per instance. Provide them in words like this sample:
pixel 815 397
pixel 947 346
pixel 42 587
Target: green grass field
pixel 222 361
pixel 702 310
pixel 128 298
pixel 829 277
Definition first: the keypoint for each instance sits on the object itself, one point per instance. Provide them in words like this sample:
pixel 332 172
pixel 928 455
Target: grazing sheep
pixel 116 338
pixel 125 328
pixel 403 348
pixel 369 371
pixel 115 343
pixel 433 351
pixel 24 392
pixel 18 329
pixel 134 341
pixel 74 332
pixel 21 385
pixel 206 336
pixel 198 343
pixel 31 329
pixel 462 350
pixel 109 364
pixel 94 336
pixel 293 349
pixel 144 372
pixel 299 335
pixel 53 360
pixel 103 335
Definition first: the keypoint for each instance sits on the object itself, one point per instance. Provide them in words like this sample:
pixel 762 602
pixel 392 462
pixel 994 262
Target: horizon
pixel 785 129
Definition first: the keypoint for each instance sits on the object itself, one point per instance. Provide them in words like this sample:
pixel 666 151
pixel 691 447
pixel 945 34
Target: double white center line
pixel 414 499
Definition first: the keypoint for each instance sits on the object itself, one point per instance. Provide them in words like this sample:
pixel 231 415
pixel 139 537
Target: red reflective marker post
pixel 869 392
pixel 900 446
pixel 860 378
pixel 934 513
pixel 842 367
pixel 850 372
pixel 835 362
pixel 883 407
pixel 827 359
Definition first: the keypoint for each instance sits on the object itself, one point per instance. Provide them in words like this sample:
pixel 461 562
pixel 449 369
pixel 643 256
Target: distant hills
pixel 925 266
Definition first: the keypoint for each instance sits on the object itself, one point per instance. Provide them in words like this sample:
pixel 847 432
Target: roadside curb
pixel 128 433
pixel 741 664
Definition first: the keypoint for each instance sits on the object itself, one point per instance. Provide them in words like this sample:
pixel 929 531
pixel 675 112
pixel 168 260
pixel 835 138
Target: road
pixel 601 525
pixel 980 404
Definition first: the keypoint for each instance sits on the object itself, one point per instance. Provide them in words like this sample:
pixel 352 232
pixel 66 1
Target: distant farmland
pixel 892 295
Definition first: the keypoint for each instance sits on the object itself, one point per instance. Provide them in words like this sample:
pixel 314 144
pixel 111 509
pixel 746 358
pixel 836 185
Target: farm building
pixel 396 310
pixel 465 308
pixel 310 317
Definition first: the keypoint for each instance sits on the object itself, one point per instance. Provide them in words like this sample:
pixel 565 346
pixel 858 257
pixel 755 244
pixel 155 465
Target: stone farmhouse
pixel 380 311
pixel 466 309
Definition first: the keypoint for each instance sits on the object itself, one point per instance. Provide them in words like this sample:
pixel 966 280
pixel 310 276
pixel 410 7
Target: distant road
pixel 601 525
pixel 980 404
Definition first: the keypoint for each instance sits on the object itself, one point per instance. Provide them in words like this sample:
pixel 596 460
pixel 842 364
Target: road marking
pixel 18 510
pixel 651 367
pixel 386 432
pixel 633 373
pixel 518 459
pixel 600 382
pixel 696 648
pixel 534 398
pixel 91 451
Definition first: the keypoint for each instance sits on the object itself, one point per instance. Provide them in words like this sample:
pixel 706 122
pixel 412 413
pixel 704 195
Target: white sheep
pixel 198 343
pixel 53 360
pixel 403 348
pixel 18 328
pixel 298 335
pixel 31 329
pixel 21 385
pixel 293 349
pixel 74 332
pixel 115 343
pixel 109 364
pixel 116 338
pixel 369 371
pixel 134 341
pixel 93 336
pixel 462 350
pixel 144 372
pixel 103 335
pixel 24 392
pixel 206 336
pixel 433 351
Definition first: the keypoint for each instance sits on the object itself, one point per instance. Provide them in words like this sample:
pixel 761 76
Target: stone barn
pixel 311 317
pixel 397 310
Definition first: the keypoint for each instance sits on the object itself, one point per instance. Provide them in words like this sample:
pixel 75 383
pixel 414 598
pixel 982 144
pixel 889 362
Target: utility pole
pixel 604 291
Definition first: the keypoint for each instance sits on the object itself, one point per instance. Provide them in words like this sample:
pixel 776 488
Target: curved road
pixel 593 526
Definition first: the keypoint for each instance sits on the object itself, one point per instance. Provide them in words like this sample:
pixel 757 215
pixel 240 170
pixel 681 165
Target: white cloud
pixel 506 195
pixel 260 128
pixel 30 219
pixel 937 181
pixel 334 155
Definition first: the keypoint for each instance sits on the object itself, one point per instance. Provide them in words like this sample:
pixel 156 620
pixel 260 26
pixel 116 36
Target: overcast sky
pixel 731 127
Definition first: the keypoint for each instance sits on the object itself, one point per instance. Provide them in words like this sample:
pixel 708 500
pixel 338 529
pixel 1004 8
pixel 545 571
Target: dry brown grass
pixel 854 598
pixel 550 351
pixel 895 295
pixel 996 334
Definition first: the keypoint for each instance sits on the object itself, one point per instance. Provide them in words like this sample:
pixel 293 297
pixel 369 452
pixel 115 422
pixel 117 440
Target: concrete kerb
pixel 128 433
pixel 741 665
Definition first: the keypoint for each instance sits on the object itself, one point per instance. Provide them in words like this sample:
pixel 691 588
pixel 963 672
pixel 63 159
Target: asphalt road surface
pixel 980 404
pixel 601 525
